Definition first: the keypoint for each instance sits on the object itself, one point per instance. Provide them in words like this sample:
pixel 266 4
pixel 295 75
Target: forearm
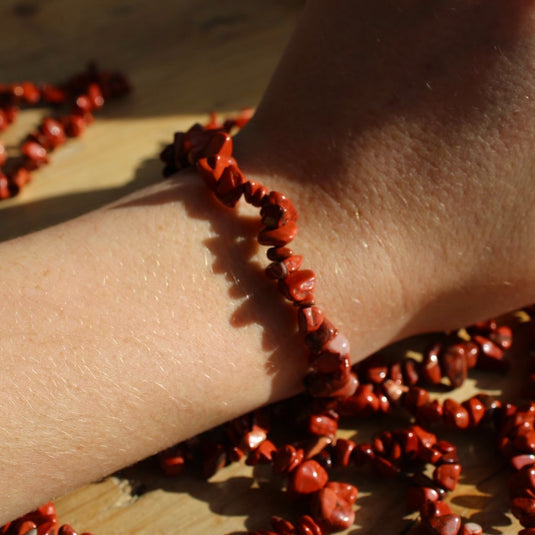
pixel 137 326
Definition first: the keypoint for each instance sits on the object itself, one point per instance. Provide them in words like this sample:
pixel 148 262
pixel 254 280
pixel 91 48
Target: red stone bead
pixel 30 93
pixel 409 368
pixel 322 425
pixel 346 491
pixel 434 509
pixel 475 409
pixel 74 125
pixel 52 94
pixel 229 186
pixel 306 525
pixel 287 458
pixel 471 528
pixel 454 365
pixel 524 441
pixel 395 373
pixel 262 454
pixel 455 415
pixel 502 336
pixel 344 449
pixel 472 353
pixel 277 211
pixel 447 475
pixel 26 527
pixel 329 363
pixel 519 461
pixel 66 529
pixel 362 454
pixel 316 340
pixel 430 370
pixel 279 236
pixel 35 153
pixel 277 254
pixel 444 525
pixel 3 154
pixel 254 192
pixel 393 390
pixel 3 121
pixel 429 455
pixel 292 263
pixel 172 461
pixel 491 355
pixel 94 95
pixel 409 442
pixel 10 114
pixel 385 467
pixel 425 438
pixel 279 270
pixel 331 510
pixel 363 402
pixel 415 398
pixel 5 192
pixel 524 509
pixel 282 526
pixel 53 132
pixel 253 438
pixel 417 496
pixel 483 327
pixel 307 478
pixel 374 369
pixel 325 385
pixel 309 319
pixel 299 286
pixel 527 531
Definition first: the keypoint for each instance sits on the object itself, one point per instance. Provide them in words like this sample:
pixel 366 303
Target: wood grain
pixel 185 58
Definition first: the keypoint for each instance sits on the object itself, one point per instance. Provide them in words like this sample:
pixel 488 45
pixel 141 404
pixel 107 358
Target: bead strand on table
pixel 86 92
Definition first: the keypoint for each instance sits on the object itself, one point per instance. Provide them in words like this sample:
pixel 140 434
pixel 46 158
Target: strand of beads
pixel 86 92
pixel 42 521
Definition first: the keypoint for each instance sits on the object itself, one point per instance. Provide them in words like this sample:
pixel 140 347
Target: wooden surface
pixel 185 58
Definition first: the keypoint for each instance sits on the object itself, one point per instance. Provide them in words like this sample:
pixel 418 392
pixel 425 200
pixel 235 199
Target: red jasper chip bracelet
pixel 85 93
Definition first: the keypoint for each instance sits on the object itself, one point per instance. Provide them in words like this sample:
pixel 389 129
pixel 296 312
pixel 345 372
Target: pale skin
pixel 415 192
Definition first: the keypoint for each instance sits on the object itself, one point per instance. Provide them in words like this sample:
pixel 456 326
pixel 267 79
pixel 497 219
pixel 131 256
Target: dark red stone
pixel 444 525
pixel 323 425
pixel 447 475
pixel 306 525
pixel 475 409
pixel 282 526
pixel 417 496
pixel 331 511
pixel 455 415
pixel 287 458
pixel 299 286
pixel 454 365
pixel 430 370
pixel 307 478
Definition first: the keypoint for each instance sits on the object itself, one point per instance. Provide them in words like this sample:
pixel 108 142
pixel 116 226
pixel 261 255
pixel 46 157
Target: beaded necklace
pixel 86 92
pixel 335 389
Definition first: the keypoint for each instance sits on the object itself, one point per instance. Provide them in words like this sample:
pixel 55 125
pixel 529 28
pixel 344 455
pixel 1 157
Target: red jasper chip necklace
pixel 84 93
pixel 336 390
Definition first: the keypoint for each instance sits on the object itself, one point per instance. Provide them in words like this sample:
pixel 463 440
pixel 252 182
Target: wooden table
pixel 185 58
